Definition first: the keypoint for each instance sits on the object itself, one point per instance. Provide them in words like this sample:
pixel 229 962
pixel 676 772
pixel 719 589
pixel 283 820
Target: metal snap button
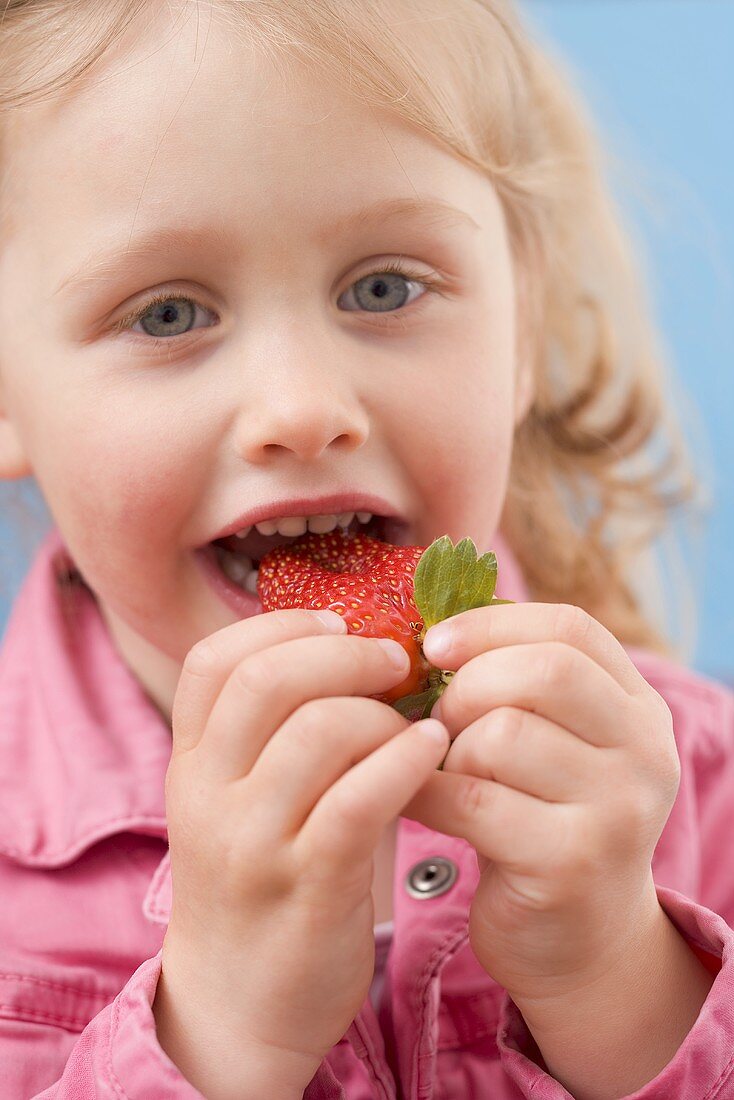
pixel 431 877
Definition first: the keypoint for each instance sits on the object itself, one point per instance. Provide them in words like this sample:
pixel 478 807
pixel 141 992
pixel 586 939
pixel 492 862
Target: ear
pixel 13 460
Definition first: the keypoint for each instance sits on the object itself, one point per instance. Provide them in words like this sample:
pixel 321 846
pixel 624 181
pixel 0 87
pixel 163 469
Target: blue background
pixel 658 79
pixel 657 76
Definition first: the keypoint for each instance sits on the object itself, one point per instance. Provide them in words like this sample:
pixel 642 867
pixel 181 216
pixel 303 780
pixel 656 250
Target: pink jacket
pixel 86 892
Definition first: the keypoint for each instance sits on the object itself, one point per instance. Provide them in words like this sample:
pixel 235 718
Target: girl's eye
pixel 385 291
pixel 163 316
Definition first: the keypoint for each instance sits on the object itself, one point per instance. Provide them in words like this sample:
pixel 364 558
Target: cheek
pixel 116 481
pixel 466 399
pixel 462 415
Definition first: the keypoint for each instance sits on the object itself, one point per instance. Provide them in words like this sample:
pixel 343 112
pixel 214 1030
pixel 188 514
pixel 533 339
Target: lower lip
pixel 243 603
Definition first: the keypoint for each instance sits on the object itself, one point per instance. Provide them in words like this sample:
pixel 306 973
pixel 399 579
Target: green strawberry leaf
pixel 449 579
pixel 415 707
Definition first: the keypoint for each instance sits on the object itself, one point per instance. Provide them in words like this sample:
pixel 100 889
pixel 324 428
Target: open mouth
pixel 239 559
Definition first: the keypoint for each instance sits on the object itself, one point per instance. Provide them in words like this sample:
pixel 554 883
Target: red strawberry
pixel 368 582
pixel 382 591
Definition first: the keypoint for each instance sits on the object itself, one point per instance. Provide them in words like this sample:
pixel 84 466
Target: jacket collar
pixel 83 749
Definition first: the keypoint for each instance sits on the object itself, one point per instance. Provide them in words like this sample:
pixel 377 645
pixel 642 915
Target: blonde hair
pixel 586 497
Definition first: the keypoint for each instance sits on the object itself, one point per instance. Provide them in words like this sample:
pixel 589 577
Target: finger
pixel 488 628
pixel 527 752
pixel 265 689
pixel 313 748
pixel 210 662
pixel 346 824
pixel 505 825
pixel 548 678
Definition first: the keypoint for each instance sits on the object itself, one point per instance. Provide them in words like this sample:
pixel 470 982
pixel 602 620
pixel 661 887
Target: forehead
pixel 183 119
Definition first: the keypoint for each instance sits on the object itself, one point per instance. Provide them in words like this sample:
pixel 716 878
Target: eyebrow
pixel 431 213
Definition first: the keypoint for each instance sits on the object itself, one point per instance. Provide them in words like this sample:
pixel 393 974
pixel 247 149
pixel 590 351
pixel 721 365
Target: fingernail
pixel 395 653
pixel 331 621
pixel 438 642
pixel 436 711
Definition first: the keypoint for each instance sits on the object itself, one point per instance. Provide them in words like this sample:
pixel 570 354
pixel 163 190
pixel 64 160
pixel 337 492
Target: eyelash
pixel 431 282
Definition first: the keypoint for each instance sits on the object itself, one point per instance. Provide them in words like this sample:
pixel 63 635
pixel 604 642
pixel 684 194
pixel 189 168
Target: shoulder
pixel 702 708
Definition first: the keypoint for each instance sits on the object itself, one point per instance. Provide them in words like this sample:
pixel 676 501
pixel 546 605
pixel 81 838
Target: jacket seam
pixel 114 1081
pixel 100 831
pixel 371 1060
pixel 63 987
pixel 451 939
pixel 38 1015
pixel 32 1015
pixel 722 1078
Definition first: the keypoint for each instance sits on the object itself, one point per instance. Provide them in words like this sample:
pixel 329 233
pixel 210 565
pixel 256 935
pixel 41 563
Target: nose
pixel 301 403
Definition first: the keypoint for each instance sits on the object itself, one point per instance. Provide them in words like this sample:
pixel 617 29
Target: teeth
pixel 321 524
pixel 292 525
pixel 267 527
pixel 297 525
pixel 237 567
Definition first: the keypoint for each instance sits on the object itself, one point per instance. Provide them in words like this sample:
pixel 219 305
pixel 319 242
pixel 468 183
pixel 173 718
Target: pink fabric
pixel 383 943
pixel 86 891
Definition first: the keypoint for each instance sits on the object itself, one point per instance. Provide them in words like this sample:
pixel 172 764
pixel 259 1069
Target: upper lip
pixel 333 504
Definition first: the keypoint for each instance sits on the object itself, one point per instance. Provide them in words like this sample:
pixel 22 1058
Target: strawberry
pixel 367 581
pixel 383 591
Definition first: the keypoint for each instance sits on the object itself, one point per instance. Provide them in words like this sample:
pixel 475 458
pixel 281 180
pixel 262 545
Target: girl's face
pixel 195 170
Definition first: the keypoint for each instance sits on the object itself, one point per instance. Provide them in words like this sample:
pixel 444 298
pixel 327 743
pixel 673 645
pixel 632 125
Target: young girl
pixel 292 260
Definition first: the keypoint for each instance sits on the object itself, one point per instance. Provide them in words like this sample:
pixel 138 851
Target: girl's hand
pixel 562 775
pixel 282 779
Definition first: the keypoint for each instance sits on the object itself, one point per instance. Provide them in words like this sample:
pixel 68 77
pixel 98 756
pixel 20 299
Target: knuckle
pixel 661 749
pixel 664 711
pixel 256 674
pixel 564 664
pixel 350 812
pixel 558 667
pixel 202 659
pixel 474 797
pixel 313 719
pixel 632 821
pixel 507 724
pixel 571 624
pixel 670 774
